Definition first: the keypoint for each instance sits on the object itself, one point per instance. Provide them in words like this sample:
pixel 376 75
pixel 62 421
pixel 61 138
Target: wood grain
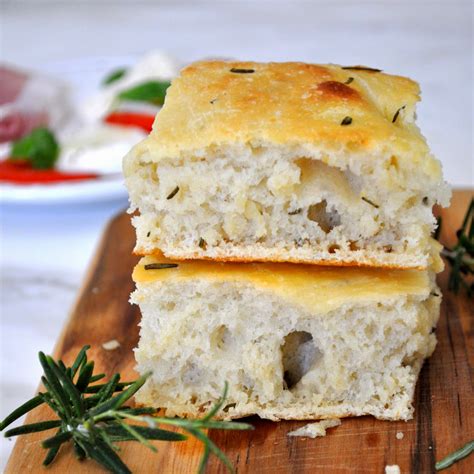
pixel 444 416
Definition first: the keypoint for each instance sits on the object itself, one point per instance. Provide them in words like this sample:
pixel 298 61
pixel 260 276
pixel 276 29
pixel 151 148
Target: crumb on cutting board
pixel 111 345
pixel 313 430
pixel 393 469
pixel 399 435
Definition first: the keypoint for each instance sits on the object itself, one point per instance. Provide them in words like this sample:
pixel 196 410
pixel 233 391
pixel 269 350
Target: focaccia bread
pixel 286 162
pixel 292 341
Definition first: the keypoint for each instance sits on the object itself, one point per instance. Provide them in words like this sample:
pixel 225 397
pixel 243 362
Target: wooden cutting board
pixel 444 413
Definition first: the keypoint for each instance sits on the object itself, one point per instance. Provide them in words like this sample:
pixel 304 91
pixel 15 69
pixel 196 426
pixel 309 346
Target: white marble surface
pixel 44 251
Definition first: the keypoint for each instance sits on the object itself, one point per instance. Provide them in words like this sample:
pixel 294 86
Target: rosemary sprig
pixel 450 459
pixel 461 256
pixel 94 417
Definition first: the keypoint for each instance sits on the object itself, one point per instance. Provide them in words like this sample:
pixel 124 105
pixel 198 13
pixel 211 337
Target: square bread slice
pixel 292 341
pixel 286 162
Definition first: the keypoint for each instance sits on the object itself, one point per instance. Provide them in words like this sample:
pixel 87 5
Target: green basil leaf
pixel 151 91
pixel 40 147
pixel 114 76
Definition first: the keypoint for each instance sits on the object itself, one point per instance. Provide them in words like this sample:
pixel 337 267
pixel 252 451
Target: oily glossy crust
pixel 285 104
pixel 288 275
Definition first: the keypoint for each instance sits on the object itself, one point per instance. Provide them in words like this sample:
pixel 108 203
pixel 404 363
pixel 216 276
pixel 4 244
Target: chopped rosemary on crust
pixel 159 266
pixel 173 193
pixel 346 121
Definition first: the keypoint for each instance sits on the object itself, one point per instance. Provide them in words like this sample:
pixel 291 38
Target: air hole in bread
pixel 326 220
pixel 394 162
pixel 192 374
pixel 353 246
pixel 299 355
pixel 332 248
pixel 369 331
pixel 221 337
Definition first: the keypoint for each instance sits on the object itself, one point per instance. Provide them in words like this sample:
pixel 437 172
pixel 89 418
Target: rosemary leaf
pixel 118 433
pixel 450 459
pixel 346 121
pixel 227 425
pixel 212 448
pixel 368 201
pixel 96 388
pixel 97 377
pixel 204 460
pixel 55 403
pixel 137 435
pixel 21 410
pixel 80 359
pixel 52 402
pixel 118 400
pixel 79 452
pixel 108 440
pixel 160 266
pixel 173 193
pixel 51 454
pixel 361 68
pixel 218 405
pixel 397 113
pixel 69 387
pixel 54 386
pixel 85 375
pixel 33 428
pixel 101 452
pixel 57 440
pixel 139 411
pixel 109 388
pixel 242 71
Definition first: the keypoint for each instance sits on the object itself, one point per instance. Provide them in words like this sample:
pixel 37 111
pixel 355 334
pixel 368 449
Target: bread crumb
pixel 111 345
pixel 399 435
pixel 393 469
pixel 313 430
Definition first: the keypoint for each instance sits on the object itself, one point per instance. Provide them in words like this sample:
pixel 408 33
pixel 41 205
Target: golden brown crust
pixel 286 104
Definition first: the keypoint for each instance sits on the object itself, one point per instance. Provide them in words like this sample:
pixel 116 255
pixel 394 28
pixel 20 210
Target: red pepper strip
pixel 21 172
pixel 128 119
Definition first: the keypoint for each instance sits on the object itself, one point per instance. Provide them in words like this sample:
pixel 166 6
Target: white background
pixel 45 250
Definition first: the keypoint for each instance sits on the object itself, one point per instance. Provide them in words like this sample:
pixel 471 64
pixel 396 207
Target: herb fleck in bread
pixel 265 165
pixel 293 341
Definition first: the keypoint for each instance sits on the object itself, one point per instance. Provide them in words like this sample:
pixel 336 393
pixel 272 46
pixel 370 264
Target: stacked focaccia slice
pixel 314 165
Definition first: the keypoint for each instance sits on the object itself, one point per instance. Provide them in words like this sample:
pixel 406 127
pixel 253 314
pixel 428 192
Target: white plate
pixel 85 75
pixel 101 189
